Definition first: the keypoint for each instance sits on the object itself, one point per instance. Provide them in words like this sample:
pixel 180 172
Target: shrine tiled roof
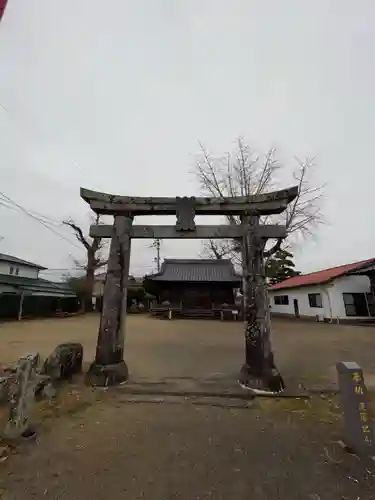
pixel 197 270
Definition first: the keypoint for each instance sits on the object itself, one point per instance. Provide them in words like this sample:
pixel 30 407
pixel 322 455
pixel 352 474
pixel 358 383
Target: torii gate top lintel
pixel 260 204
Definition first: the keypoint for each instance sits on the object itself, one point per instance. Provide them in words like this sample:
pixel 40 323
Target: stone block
pixel 4 388
pixel 65 361
pixel 21 397
pixel 41 382
pixel 49 391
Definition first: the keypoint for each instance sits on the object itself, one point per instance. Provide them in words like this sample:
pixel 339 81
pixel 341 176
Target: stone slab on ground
pixel 196 399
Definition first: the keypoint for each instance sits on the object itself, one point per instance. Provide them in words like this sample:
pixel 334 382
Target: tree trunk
pixel 258 373
pixel 109 366
pixel 89 281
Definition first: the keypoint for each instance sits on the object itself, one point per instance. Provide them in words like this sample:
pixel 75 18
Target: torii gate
pixel 258 372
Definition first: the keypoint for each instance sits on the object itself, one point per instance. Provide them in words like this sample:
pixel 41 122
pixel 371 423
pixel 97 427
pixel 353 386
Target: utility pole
pixel 156 244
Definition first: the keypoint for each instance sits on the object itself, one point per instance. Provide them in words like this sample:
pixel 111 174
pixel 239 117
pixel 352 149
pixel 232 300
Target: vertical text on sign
pixel 363 413
pixel 359 433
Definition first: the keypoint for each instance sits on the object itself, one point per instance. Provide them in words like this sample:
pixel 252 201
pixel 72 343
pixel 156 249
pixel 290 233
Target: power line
pixel 4 108
pixel 48 220
pixel 37 218
pixel 8 206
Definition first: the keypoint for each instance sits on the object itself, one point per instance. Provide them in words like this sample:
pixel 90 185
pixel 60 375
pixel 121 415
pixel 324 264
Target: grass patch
pixel 321 409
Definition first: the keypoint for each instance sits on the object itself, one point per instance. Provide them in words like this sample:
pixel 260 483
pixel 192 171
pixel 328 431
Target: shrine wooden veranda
pixel 258 372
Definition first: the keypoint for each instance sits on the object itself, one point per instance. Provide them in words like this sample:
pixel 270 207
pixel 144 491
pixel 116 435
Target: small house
pixel 23 293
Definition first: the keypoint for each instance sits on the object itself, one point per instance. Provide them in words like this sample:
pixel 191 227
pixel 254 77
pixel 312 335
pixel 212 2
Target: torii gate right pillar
pixel 259 373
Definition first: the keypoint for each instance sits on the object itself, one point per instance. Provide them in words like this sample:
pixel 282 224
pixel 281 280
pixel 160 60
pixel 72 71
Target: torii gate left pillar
pixel 109 367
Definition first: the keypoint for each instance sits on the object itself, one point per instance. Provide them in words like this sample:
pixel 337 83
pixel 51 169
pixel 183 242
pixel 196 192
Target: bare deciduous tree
pixel 94 259
pixel 244 173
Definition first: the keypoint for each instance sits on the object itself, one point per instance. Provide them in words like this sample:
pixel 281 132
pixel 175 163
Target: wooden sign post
pixel 359 431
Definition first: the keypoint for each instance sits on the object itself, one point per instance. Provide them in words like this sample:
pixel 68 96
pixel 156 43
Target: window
pixel 315 300
pixel 281 300
pixel 355 304
pixel 17 271
pixel 11 270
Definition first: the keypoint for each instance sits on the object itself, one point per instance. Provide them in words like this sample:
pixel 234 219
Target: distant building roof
pixel 132 283
pixel 15 260
pixel 323 276
pixel 196 270
pixel 36 285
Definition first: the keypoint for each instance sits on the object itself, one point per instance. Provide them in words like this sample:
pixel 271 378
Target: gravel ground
pixel 98 444
pixel 180 450
pixel 305 351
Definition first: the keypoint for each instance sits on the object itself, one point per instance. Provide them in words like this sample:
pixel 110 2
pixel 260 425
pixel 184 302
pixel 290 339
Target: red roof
pixel 322 276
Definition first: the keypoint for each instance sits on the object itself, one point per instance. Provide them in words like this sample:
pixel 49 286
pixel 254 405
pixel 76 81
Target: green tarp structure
pixel 39 297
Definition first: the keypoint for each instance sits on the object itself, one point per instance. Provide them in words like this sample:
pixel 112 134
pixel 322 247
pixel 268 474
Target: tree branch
pixel 94 259
pixel 243 173
pixel 78 233
pixel 275 248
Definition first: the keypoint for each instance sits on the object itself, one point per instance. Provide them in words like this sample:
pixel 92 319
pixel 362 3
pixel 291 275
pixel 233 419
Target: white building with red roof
pixel 342 293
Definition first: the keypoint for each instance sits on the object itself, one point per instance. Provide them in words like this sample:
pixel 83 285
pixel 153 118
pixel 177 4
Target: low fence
pixel 223 314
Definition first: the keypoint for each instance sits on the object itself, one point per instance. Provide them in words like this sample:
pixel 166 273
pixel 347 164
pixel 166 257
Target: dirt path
pixel 304 351
pixel 179 450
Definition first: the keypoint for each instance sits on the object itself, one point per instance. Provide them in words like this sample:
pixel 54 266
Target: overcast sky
pixel 115 96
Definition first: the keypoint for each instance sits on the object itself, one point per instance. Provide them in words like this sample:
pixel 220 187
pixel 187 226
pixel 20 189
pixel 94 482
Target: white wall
pixel 24 271
pixel 332 299
pixel 301 295
pixel 346 284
